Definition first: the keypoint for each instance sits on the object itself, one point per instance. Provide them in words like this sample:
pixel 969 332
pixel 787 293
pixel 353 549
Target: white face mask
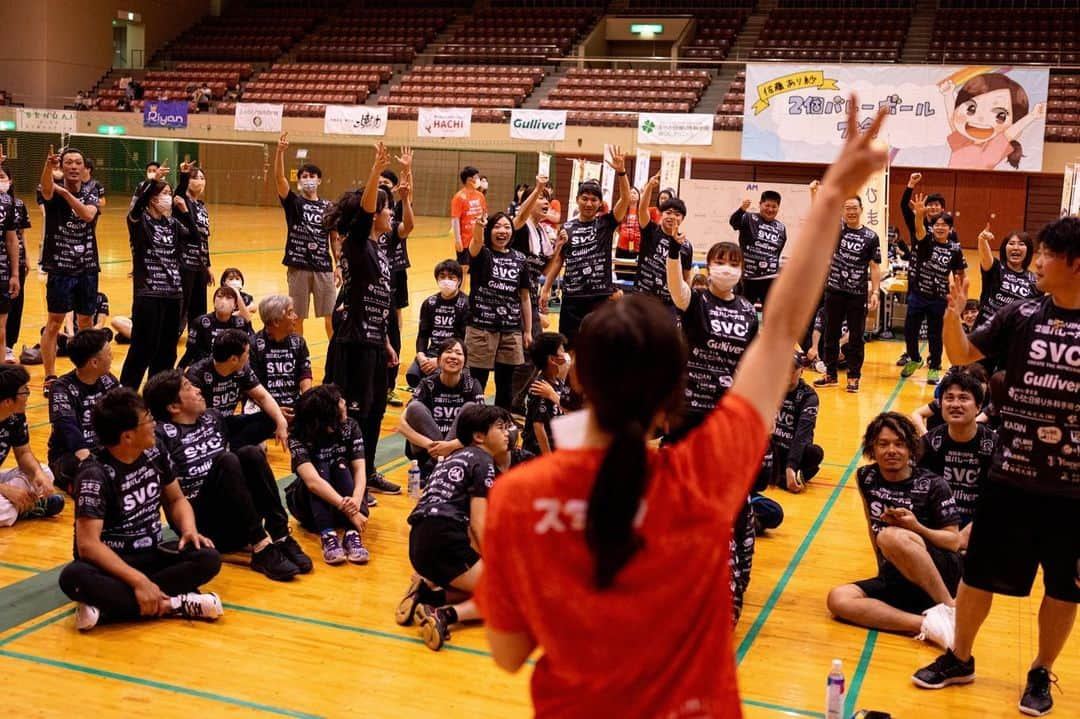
pixel 163 204
pixel 5 185
pixel 235 284
pixel 223 305
pixel 309 184
pixel 724 277
pixel 447 286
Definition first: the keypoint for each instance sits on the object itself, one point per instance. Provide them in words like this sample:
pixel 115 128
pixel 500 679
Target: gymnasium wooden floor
pixel 326 645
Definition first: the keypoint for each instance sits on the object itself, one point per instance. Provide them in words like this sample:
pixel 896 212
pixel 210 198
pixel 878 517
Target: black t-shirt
pixel 221 393
pixel 204 330
pixel 366 295
pixel 795 423
pixel 935 262
pixel 441 319
pixel 155 249
pixel 445 402
pixel 192 448
pixel 126 497
pixel 529 241
pixel 70 246
pixel 307 244
pixel 964 465
pixel 395 247
pixel 497 279
pixel 850 269
pixel 467 473
pixel 587 255
pixel 1001 286
pixel 22 222
pixel 543 410
pixel 924 494
pixel 718 332
pixel 8 223
pixel 1039 344
pixel 281 366
pixel 342 448
pixel 195 252
pixel 652 262
pixel 14 432
pixel 762 242
pixel 70 405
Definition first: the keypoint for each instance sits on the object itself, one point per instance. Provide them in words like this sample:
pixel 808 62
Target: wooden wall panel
pixel 1043 200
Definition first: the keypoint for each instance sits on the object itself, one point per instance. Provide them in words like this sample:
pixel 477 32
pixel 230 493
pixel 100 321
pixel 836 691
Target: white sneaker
pixel 200 606
pixel 939 626
pixel 86 617
pixel 819 367
pixel 9 356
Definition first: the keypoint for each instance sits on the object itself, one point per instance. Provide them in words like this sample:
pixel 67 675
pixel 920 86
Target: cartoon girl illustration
pixel 988 116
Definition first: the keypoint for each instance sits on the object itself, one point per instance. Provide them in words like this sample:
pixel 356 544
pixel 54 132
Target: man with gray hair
pixel 280 356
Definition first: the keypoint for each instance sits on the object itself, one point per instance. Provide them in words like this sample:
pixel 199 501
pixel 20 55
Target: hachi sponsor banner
pixel 355 120
pixel 959 117
pixel 58 121
pixel 444 122
pixel 662 128
pixel 538 124
pixel 257 117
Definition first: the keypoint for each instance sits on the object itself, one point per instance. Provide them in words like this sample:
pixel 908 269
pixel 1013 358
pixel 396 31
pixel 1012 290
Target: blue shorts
pixel 65 293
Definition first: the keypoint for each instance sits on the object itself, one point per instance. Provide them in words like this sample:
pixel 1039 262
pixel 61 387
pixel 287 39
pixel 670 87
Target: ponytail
pixel 613 504
pixel 1016 155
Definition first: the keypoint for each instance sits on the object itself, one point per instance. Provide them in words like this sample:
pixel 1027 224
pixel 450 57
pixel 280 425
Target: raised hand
pixel 958 293
pixel 52 160
pixel 541 181
pixel 179 204
pixel 654 181
pixel 745 205
pixel 986 234
pixel 863 154
pixel 918 202
pixel 163 171
pixel 946 86
pixel 382 157
pixel 283 142
pixel 916 178
pixel 185 167
pixel 405 158
pixel 617 161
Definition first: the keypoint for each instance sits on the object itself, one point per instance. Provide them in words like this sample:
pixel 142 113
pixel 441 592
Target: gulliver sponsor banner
pixel 538 124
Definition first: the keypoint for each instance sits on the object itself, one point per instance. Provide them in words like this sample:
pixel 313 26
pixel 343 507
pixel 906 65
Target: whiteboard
pixel 709 204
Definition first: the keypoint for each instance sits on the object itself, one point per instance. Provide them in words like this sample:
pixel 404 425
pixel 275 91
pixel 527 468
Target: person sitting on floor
pixel 206 328
pixel 442 316
pixel 793 459
pixel 26 491
pixel 233 493
pixel 329 491
pixel 280 356
pixel 122 570
pixel 224 377
pixel 448 527
pixel 548 392
pixel 913 524
pixel 71 401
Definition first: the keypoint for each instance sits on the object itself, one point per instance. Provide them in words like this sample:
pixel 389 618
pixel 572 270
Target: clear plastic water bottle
pixel 835 690
pixel 414 480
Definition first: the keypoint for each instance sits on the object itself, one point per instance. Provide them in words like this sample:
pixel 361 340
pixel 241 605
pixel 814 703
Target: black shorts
pixel 1014 533
pixel 65 293
pixel 359 371
pixel 893 588
pixel 464 257
pixel 439 549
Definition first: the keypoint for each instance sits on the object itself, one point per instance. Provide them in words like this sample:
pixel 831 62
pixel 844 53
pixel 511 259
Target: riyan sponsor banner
pixel 957 117
pixel 165 114
pixel 444 122
pixel 538 124
pixel 355 120
pixel 257 117
pixel 659 128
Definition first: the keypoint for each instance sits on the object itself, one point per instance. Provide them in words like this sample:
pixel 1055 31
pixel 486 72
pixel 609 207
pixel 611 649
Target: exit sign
pixel 646 28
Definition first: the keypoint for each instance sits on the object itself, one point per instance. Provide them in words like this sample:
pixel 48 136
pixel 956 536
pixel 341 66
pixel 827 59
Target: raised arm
pixel 739 214
pixel 643 217
pixel 52 163
pixel 986 253
pixel 618 163
pixel 918 206
pixel 525 211
pixel 281 182
pixel 760 378
pixel 957 345
pixel 369 200
pixel 408 222
pixel 905 203
pixel 676 278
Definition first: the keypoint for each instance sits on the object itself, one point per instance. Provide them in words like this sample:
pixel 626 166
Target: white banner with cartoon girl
pixel 970 118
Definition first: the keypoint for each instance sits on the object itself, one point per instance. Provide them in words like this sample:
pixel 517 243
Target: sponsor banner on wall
pixel 58 121
pixel 663 128
pixel 355 120
pixel 257 117
pixel 165 114
pixel 641 168
pixel 669 168
pixel 444 122
pixel 957 117
pixel 875 202
pixel 538 124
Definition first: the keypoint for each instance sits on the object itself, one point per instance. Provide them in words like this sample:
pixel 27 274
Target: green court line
pixel 860 672
pixel 139 681
pixel 33 628
pixel 19 567
pixel 783 709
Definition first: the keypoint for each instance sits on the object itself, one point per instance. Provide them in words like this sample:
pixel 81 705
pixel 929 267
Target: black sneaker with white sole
pixel 272 562
pixel 945 670
pixel 1036 701
pixel 379 483
pixel 292 551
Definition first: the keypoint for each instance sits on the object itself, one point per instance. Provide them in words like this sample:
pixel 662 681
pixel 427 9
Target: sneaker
pixel 933 376
pixel 378 483
pixel 903 360
pixel 200 606
pixel 272 562
pixel 46 386
pixel 30 355
pixel 433 627
pixel 945 670
pixel 291 549
pixel 1037 701
pixel 853 385
pixel 393 399
pixel 910 368
pixel 355 551
pixel 45 507
pixel 9 356
pixel 332 553
pixel 403 615
pixel 370 498
pixel 86 617
pixel 819 367
pixel 827 380
pixel 939 626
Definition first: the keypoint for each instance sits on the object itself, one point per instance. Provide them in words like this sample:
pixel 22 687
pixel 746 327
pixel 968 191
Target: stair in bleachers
pixel 747 38
pixel 546 86
pixel 917 42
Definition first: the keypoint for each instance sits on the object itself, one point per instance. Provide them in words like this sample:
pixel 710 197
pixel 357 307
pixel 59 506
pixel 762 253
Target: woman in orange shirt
pixel 589 548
